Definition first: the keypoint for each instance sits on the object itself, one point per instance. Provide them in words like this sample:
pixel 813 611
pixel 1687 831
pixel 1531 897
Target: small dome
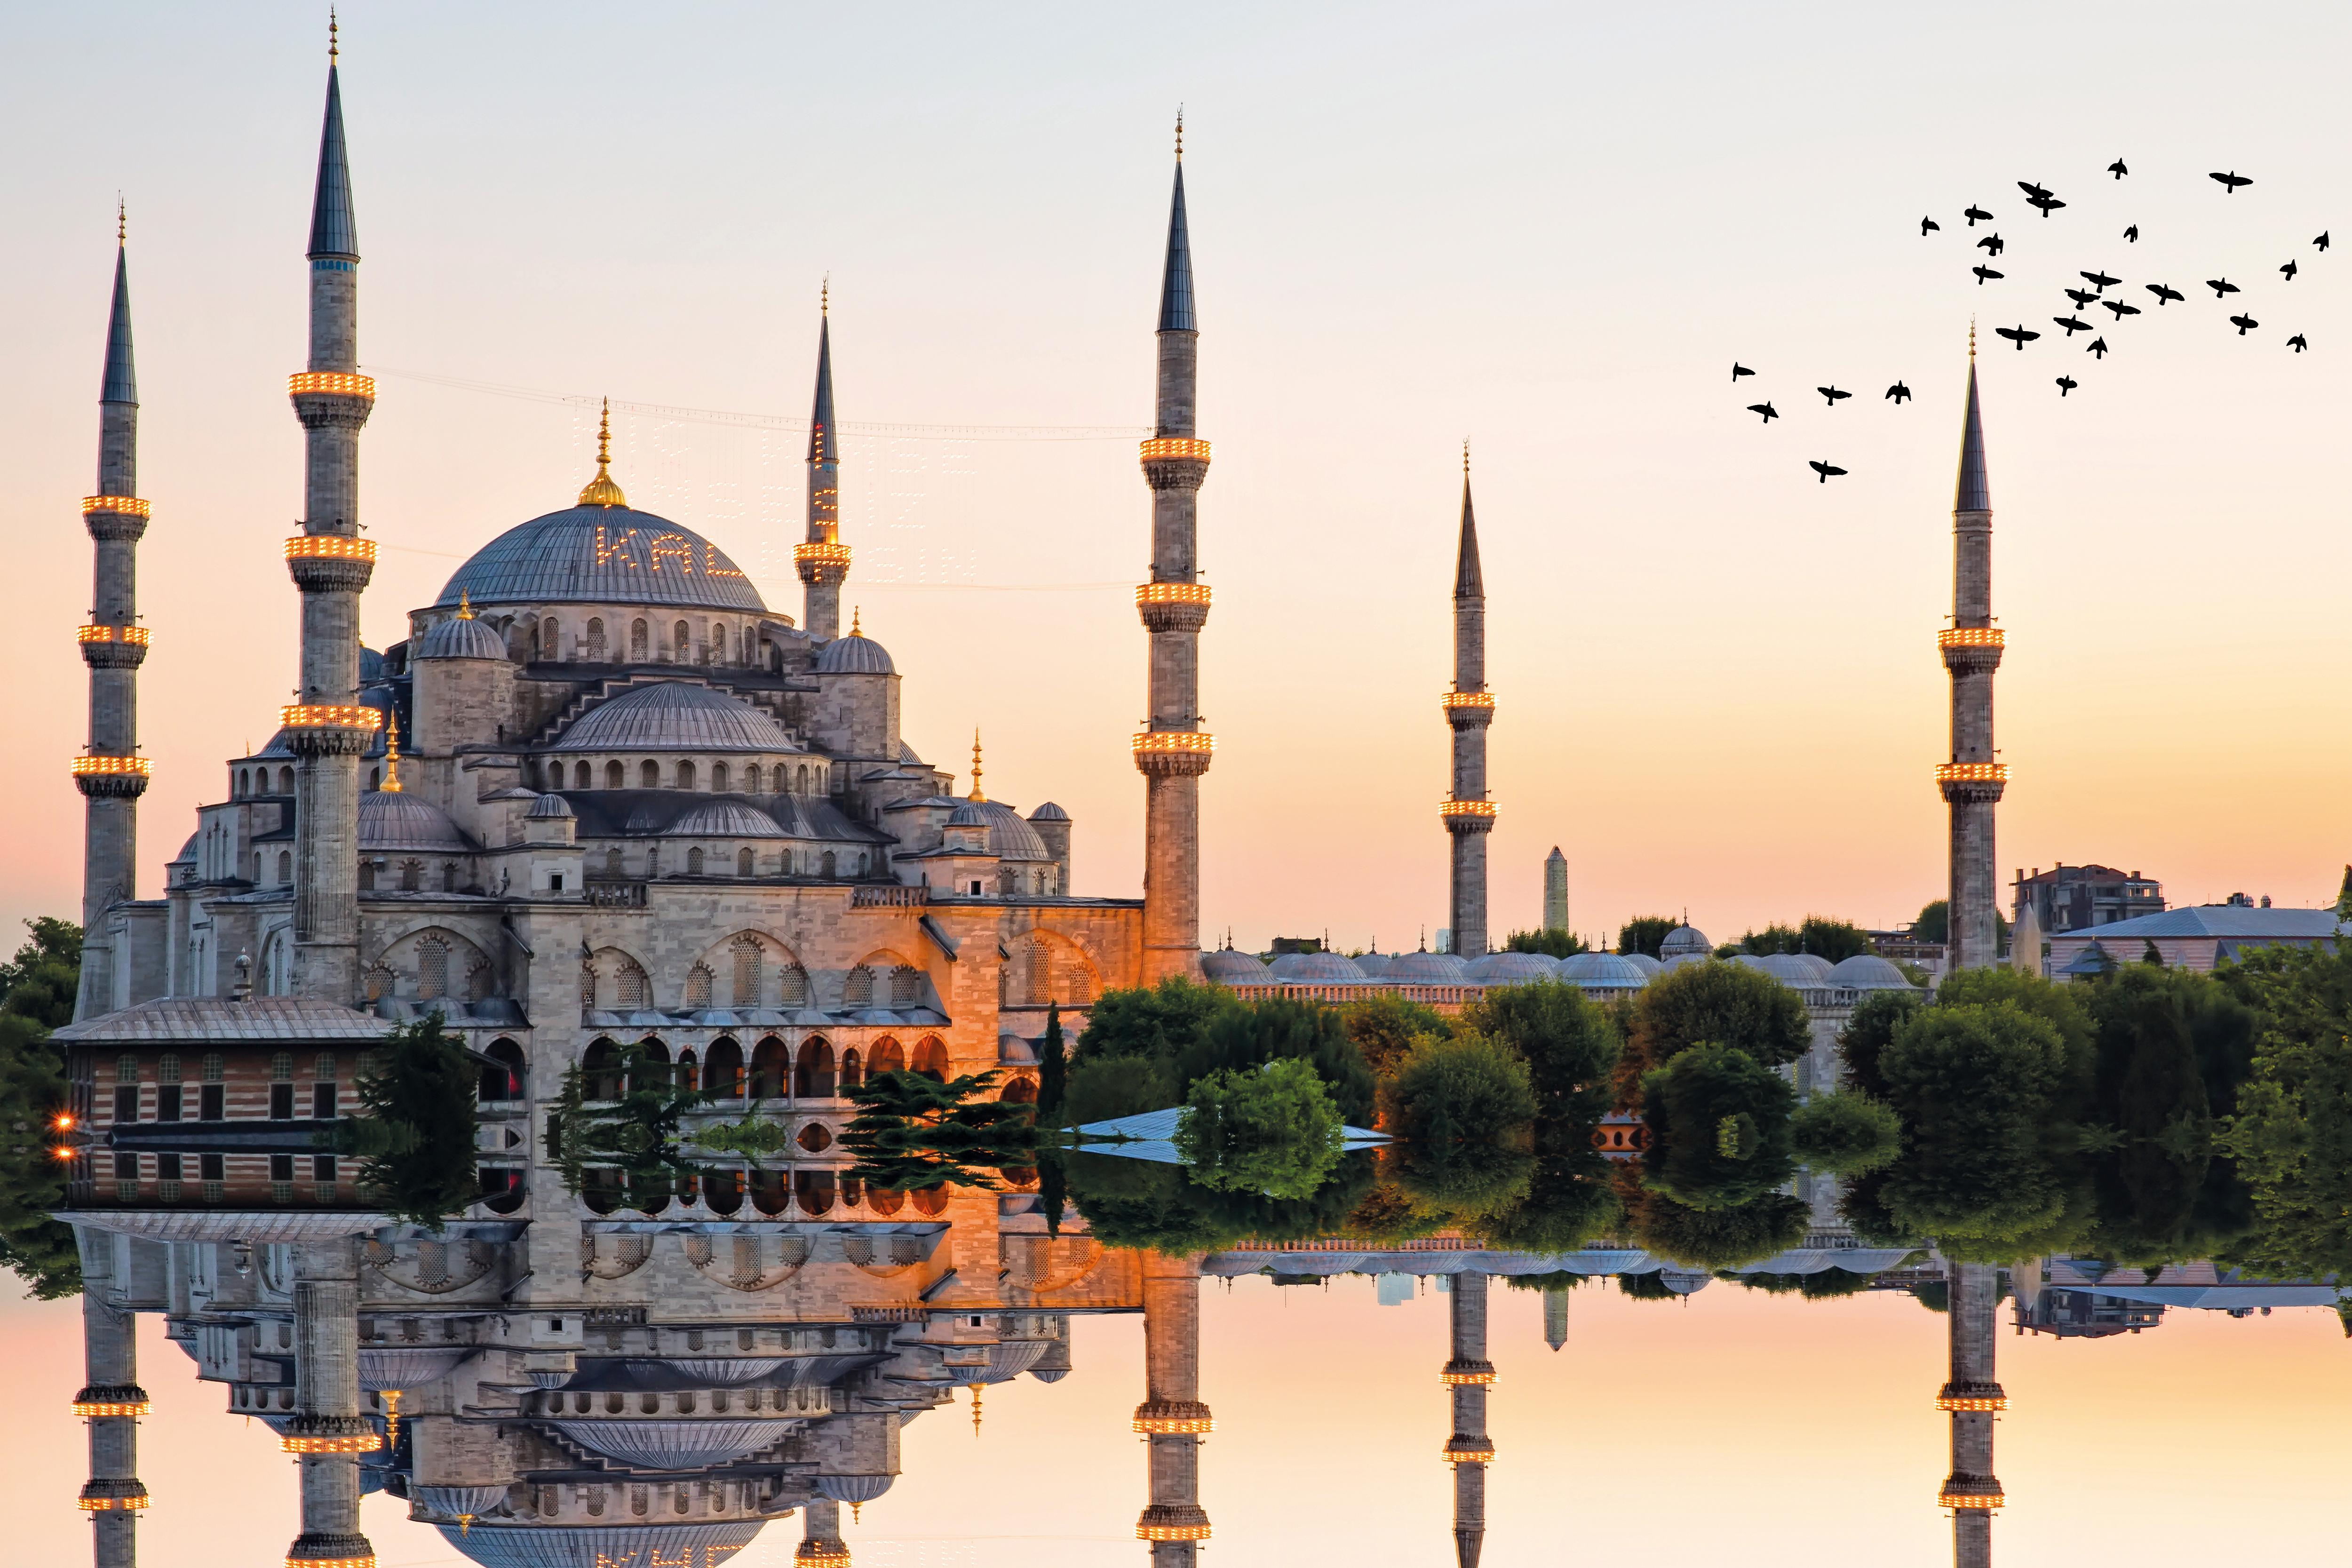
pixel 409 1367
pixel 674 715
pixel 1512 968
pixel 1644 963
pixel 1684 1281
pixel 727 1371
pixel 549 806
pixel 1007 1359
pixel 1375 966
pixel 1227 966
pixel 396 820
pixel 1315 968
pixel 1427 969
pixel 855 655
pixel 1049 1373
pixel 1868 972
pixel 1049 812
pixel 1798 971
pixel 968 815
pixel 1010 837
pixel 722 819
pixel 457 1503
pixel 853 1488
pixel 1683 940
pixel 1013 1051
pixel 1603 971
pixel 461 637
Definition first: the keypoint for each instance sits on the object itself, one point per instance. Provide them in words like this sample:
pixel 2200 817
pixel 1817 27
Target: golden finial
pixel 122 221
pixel 975 1407
pixel 601 491
pixel 824 296
pixel 853 622
pixel 392 1402
pixel 854 1518
pixel 464 604
pixel 1180 132
pixel 1465 456
pixel 392 787
pixel 1972 338
pixel 332 25
pixel 464 1525
pixel 975 782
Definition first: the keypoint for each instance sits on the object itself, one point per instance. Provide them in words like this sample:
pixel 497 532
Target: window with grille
pixel 282 1067
pixel 637 641
pixel 632 986
pixel 694 856
pixel 212 1067
pixel 432 967
pixel 614 864
pixel 126 1070
pixel 857 990
pixel 1038 982
pixel 793 987
pixel 167 1067
pixel 698 987
pixel 905 986
pixel 747 965
pixel 412 876
pixel 743 862
pixel 595 639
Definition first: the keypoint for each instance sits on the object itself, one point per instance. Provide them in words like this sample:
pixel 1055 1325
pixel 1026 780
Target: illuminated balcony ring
pixel 1949 1499
pixel 1174 752
pixel 1456 1379
pixel 1471 1453
pixel 1171 1532
pixel 112 767
pixel 360 1443
pixel 1466 808
pixel 331 382
pixel 107 1504
pixel 808 1555
pixel 133 637
pixel 823 553
pixel 1971 637
pixel 329 547
pixel 109 1407
pixel 1174 1426
pixel 366 1561
pixel 324 716
pixel 124 506
pixel 1971 1396
pixel 1159 448
pixel 1469 699
pixel 1172 593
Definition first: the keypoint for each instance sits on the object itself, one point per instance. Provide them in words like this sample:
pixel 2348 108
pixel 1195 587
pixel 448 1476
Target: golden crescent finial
pixel 605 434
pixel 1180 132
pixel 852 621
pixel 334 26
pixel 121 220
pixel 464 604
pixel 392 787
pixel 824 296
pixel 975 764
pixel 601 491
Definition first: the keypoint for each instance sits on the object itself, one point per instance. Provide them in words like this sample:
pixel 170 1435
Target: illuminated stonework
pixel 366 1561
pixel 1469 1451
pixel 133 636
pixel 1174 750
pixel 333 381
pixel 329 547
pixel 1452 1379
pixel 1971 637
pixel 822 554
pixel 810 1554
pixel 1469 699
pixel 363 1443
pixel 1950 1498
pixel 1972 1402
pixel 1471 808
pixel 107 767
pixel 1172 593
pixel 1173 1426
pixel 325 716
pixel 127 506
pixel 1971 772
pixel 1171 1532
pixel 1164 447
pixel 100 1406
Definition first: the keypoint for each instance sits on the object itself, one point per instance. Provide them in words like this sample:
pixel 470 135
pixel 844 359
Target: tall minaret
pixel 1972 781
pixel 331 563
pixel 111 774
pixel 823 560
pixel 1173 752
pixel 1468 814
pixel 111 1401
pixel 1171 1417
pixel 328 1431
pixel 1555 913
pixel 1469 1375
pixel 1971 1490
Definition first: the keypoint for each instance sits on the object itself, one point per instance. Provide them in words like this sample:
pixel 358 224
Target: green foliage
pixel 1386 1216
pixel 1847 1133
pixel 1833 940
pixel 1282 1030
pixel 1383 1027
pixel 1550 943
pixel 415 1136
pixel 1558 1279
pixel 1141 1203
pixel 1934 923
pixel 1111 1086
pixel 1645 1288
pixel 39 983
pixel 1052 1068
pixel 1718 1124
pixel 1933 1294
pixel 1644 933
pixel 637 1132
pixel 1157 1023
pixel 1568 1202
pixel 1271 1130
pixel 2292 1132
pixel 1827 1284
pixel 1462 1109
pixel 1718 1237
pixel 36 995
pixel 1187 1031
pixel 1729 1004
pixel 2059 1005
pixel 1870 1027
pixel 913 1132
pixel 754 1137
pixel 1569 1042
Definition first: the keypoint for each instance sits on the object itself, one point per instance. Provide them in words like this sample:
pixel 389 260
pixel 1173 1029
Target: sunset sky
pixel 1551 230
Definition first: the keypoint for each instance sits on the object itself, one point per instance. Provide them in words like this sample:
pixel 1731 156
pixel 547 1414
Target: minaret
pixel 326 726
pixel 1972 781
pixel 1468 814
pixel 823 560
pixel 1171 1417
pixel 1469 1375
pixel 1173 751
pixel 1555 1315
pixel 111 774
pixel 328 1431
pixel 111 1402
pixel 1555 916
pixel 1971 1490
pixel 821 1544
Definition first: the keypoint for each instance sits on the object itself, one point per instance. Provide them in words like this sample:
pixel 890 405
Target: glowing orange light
pixel 1465 808
pixel 330 381
pixel 1175 447
pixel 1190 741
pixel 130 506
pixel 1171 1532
pixel 1971 637
pixel 1470 1452
pixel 820 1558
pixel 363 1443
pixel 1968 1499
pixel 112 1407
pixel 329 547
pixel 1971 772
pixel 62 1153
pixel 319 716
pixel 1172 1426
pixel 1469 699
pixel 137 637
pixel 1971 1402
pixel 95 767
pixel 367 1561
pixel 1452 1378
pixel 103 1504
pixel 65 1120
pixel 1172 593
pixel 822 553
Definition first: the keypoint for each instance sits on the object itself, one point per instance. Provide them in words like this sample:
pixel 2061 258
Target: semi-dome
pixel 394 819
pixel 727 1371
pixel 1868 972
pixel 457 1503
pixel 1512 968
pixel 1684 939
pixel 550 808
pixel 409 1367
pixel 853 1488
pixel 855 655
pixel 1316 968
pixel 598 1546
pixel 673 716
pixel 654 1445
pixel 602 555
pixel 724 819
pixel 1007 1359
pixel 1228 967
pixel 1427 969
pixel 461 636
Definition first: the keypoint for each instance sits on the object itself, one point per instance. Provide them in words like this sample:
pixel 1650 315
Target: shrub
pixel 1460 1109
pixel 1718 1125
pixel 1270 1129
pixel 1729 1004
pixel 1720 1237
pixel 1845 1133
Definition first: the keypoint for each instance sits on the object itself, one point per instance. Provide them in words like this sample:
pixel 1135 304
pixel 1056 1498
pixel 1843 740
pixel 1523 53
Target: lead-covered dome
pixel 392 819
pixel 1868 972
pixel 1426 968
pixel 673 716
pixel 1685 940
pixel 461 636
pixel 724 819
pixel 1603 971
pixel 855 655
pixel 1512 968
pixel 603 556
pixel 1229 966
pixel 674 1444
pixel 1317 968
pixel 598 1545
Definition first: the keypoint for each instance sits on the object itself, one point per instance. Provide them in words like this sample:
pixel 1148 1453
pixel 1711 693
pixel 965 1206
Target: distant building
pixel 1905 946
pixel 2197 938
pixel 2075 898
pixel 1555 890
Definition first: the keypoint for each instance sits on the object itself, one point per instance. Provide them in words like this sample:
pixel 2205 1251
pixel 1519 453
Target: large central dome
pixel 603 556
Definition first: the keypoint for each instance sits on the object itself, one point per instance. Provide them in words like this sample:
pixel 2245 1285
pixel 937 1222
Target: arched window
pixel 802 787
pixel 257 868
pixel 719 778
pixel 718 641
pixel 681 645
pixel 813 1070
pixel 448 876
pixel 412 876
pixel 857 988
pixel 1020 1091
pixel 649 775
pixel 631 988
pixel 1037 981
pixel 601 1066
pixel 698 986
pixel 236 789
pixel 887 1057
pixel 615 776
pixel 745 951
pixel 931 1202
pixel 687 1075
pixel 548 644
pixel 638 640
pixel 694 861
pixel 768 1063
pixel 743 862
pixel 851 1076
pixel 768 1191
pixel 502 1075
pixel 595 639
pixel 793 986
pixel 432 966
pixel 813 1191
pixel 751 778
pixel 686 775
pixel 827 863
pixel 284 865
pixel 614 864
pixel 905 987
pixel 581 776
pixel 367 876
pixel 884 1202
pixel 723 1191
pixel 931 1058
pixel 286 781
pixel 653 1065
pixel 722 1069
pixel 282 1067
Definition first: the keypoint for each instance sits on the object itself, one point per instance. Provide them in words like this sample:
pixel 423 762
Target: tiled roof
pixel 174 1020
pixel 2231 921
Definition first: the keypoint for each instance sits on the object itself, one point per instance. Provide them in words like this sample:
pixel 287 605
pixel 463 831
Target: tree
pixel 1157 1023
pixel 1868 1030
pixel 913 1132
pixel 1567 1040
pixel 1643 933
pixel 1270 1128
pixel 2057 1003
pixel 40 983
pixel 1831 939
pixel 1460 1110
pixel 416 1135
pixel 2291 1135
pixel 1107 1088
pixel 1053 1067
pixel 1934 923
pixel 36 995
pixel 1144 1203
pixel 1729 1004
pixel 1384 1025
pixel 1718 1237
pixel 1847 1133
pixel 634 1127
pixel 1568 1202
pixel 1276 1030
pixel 1718 1125
pixel 1549 943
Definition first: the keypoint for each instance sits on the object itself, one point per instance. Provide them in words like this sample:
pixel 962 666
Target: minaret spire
pixel 1973 1398
pixel 822 561
pixel 1468 1374
pixel 1171 1417
pixel 1972 781
pixel 1174 750
pixel 111 1401
pixel 326 727
pixel 1467 813
pixel 110 774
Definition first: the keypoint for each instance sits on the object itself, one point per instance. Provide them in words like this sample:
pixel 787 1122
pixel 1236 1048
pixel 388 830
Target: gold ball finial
pixel 852 621
pixel 601 491
pixel 392 787
pixel 975 780
pixel 334 25
pixel 464 604
pixel 1180 132
pixel 975 1407
pixel 121 220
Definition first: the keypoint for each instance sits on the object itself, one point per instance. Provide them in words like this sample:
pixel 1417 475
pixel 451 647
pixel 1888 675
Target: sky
pixel 1737 1427
pixel 1549 229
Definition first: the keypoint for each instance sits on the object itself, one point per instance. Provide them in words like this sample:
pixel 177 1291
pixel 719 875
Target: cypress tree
pixel 1053 1067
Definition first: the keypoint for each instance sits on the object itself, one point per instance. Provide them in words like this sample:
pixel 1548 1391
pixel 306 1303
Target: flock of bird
pixel 2082 302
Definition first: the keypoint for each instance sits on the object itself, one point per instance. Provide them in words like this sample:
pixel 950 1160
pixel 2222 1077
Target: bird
pixel 2066 383
pixel 1738 370
pixel 2288 271
pixel 2081 297
pixel 1928 225
pixel 2221 286
pixel 2230 182
pixel 1825 470
pixel 1983 273
pixel 2031 189
pixel 1991 242
pixel 2321 240
pixel 2021 336
pixel 2120 309
pixel 1975 213
pixel 2296 343
pixel 2100 280
pixel 2244 324
pixel 2131 234
pixel 2097 348
pixel 1832 394
pixel 2118 169
pixel 1766 409
pixel 2046 205
pixel 2072 325
pixel 2165 296
pixel 1899 392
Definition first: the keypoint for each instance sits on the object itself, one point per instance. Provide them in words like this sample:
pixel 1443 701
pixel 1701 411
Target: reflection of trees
pixel 416 1135
pixel 913 1132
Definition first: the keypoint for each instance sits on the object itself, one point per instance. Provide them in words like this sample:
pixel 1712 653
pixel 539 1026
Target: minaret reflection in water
pixel 1973 1399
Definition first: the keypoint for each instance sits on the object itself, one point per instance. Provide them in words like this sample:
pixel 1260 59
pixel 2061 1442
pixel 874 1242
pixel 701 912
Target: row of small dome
pixel 1592 971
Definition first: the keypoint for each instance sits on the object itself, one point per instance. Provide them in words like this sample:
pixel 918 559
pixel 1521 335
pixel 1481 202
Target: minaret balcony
pixel 1469 709
pixel 1467 815
pixel 1971 784
pixel 115 519
pixel 105 1496
pixel 1175 462
pixel 1972 1397
pixel 332 399
pixel 113 1399
pixel 819 1554
pixel 111 778
pixel 1971 1491
pixel 1971 651
pixel 1173 607
pixel 1461 1451
pixel 821 562
pixel 112 646
pixel 329 562
pixel 329 730
pixel 1457 1372
pixel 1173 1417
pixel 363 1560
pixel 1170 753
pixel 1172 1521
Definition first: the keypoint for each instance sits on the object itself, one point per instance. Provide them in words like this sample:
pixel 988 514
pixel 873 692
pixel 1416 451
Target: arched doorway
pixel 722 1069
pixel 768 1063
pixel 812 1072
